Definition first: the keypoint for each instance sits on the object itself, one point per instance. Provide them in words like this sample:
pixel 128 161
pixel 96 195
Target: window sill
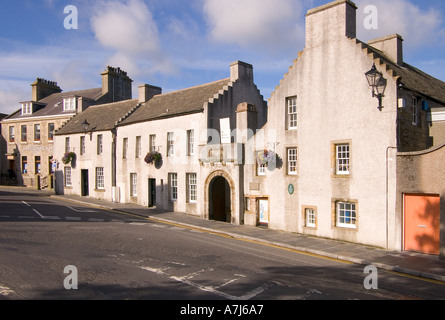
pixel 346 228
pixel 99 190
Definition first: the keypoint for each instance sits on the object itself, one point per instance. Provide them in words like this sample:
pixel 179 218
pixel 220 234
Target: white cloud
pixel 129 30
pixel 12 96
pixel 271 24
pixel 418 26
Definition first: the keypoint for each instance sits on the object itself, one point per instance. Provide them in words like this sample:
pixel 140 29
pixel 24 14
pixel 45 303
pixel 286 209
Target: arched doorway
pixel 220 200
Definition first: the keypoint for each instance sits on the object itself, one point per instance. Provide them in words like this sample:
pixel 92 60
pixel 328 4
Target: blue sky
pixel 177 44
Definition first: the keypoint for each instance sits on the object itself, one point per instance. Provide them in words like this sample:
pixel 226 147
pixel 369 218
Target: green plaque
pixel 291 189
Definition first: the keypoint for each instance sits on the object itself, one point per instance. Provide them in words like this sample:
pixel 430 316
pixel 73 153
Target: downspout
pixel 387 196
pixel 113 157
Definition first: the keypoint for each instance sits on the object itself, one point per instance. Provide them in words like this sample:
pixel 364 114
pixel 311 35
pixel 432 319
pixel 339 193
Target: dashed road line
pixel 38 213
pixel 26 203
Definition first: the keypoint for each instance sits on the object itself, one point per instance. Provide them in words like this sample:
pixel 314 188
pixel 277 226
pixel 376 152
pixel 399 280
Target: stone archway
pixel 219 197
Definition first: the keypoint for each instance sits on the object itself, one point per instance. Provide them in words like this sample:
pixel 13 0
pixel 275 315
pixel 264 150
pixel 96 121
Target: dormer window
pixel 69 104
pixel 26 108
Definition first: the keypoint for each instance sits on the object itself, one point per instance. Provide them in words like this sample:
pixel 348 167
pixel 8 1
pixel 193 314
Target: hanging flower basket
pixel 266 156
pixel 68 157
pixel 153 157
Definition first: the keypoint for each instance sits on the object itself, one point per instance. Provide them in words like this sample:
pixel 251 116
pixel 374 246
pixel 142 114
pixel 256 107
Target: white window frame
pixel 190 142
pixel 173 186
pixel 67 174
pixel 170 144
pixel 310 215
pixel 26 108
pixel 192 187
pixel 291 113
pixel 345 220
pixel 152 142
pixel 342 159
pixel 292 161
pixel 138 151
pixel 82 145
pixel 100 178
pixel 261 169
pixel 133 184
pixel 100 144
pixel 69 104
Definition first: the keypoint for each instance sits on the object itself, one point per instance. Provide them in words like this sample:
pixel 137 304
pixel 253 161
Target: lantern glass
pixel 381 86
pixel 85 125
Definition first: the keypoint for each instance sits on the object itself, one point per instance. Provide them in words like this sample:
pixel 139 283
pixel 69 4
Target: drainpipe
pixel 113 157
pixel 387 196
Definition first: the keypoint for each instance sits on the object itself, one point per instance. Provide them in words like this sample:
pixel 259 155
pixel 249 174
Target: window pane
pixel 346 215
pixel 51 131
pixel 193 193
pixel 343 159
pixel 292 113
pixel 174 186
pixel 292 160
pixel 170 144
pixel 100 180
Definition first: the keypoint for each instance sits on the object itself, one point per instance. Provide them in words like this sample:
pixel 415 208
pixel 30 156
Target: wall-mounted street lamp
pixel 378 84
pixel 86 126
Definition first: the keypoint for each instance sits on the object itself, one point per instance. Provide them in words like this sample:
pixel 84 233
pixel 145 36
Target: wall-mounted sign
pixel 225 130
pixel 291 189
pixel 264 211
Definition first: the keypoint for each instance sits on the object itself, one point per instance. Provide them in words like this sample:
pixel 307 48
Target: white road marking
pixel 26 203
pixel 38 213
pixel 80 210
pixel 5 291
pixel 238 276
pixel 185 280
pixel 73 218
pixel 45 217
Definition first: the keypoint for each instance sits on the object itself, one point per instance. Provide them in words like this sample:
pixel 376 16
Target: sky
pixel 175 44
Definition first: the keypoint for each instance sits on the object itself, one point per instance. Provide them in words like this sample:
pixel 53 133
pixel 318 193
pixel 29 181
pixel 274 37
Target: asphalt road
pixel 119 257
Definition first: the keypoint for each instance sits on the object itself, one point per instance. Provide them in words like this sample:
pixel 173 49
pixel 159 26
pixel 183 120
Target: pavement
pixel 407 263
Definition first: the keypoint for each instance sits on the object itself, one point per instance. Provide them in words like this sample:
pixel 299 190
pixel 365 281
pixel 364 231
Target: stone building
pixel 199 133
pixel 350 146
pixel 90 137
pixel 29 132
pixel 336 143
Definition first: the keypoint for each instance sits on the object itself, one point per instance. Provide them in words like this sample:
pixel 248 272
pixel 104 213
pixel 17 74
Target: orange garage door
pixel 422 223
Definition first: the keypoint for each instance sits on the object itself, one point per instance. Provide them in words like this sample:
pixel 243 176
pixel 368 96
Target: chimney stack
pixel 391 45
pixel 117 84
pixel 42 88
pixel 241 71
pixel 331 22
pixel 146 92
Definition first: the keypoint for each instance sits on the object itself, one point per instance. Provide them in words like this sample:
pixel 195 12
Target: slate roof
pixel 100 117
pixel 182 102
pixel 413 78
pixel 53 104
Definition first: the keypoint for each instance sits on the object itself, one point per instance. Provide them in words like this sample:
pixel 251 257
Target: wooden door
pixel 422 223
